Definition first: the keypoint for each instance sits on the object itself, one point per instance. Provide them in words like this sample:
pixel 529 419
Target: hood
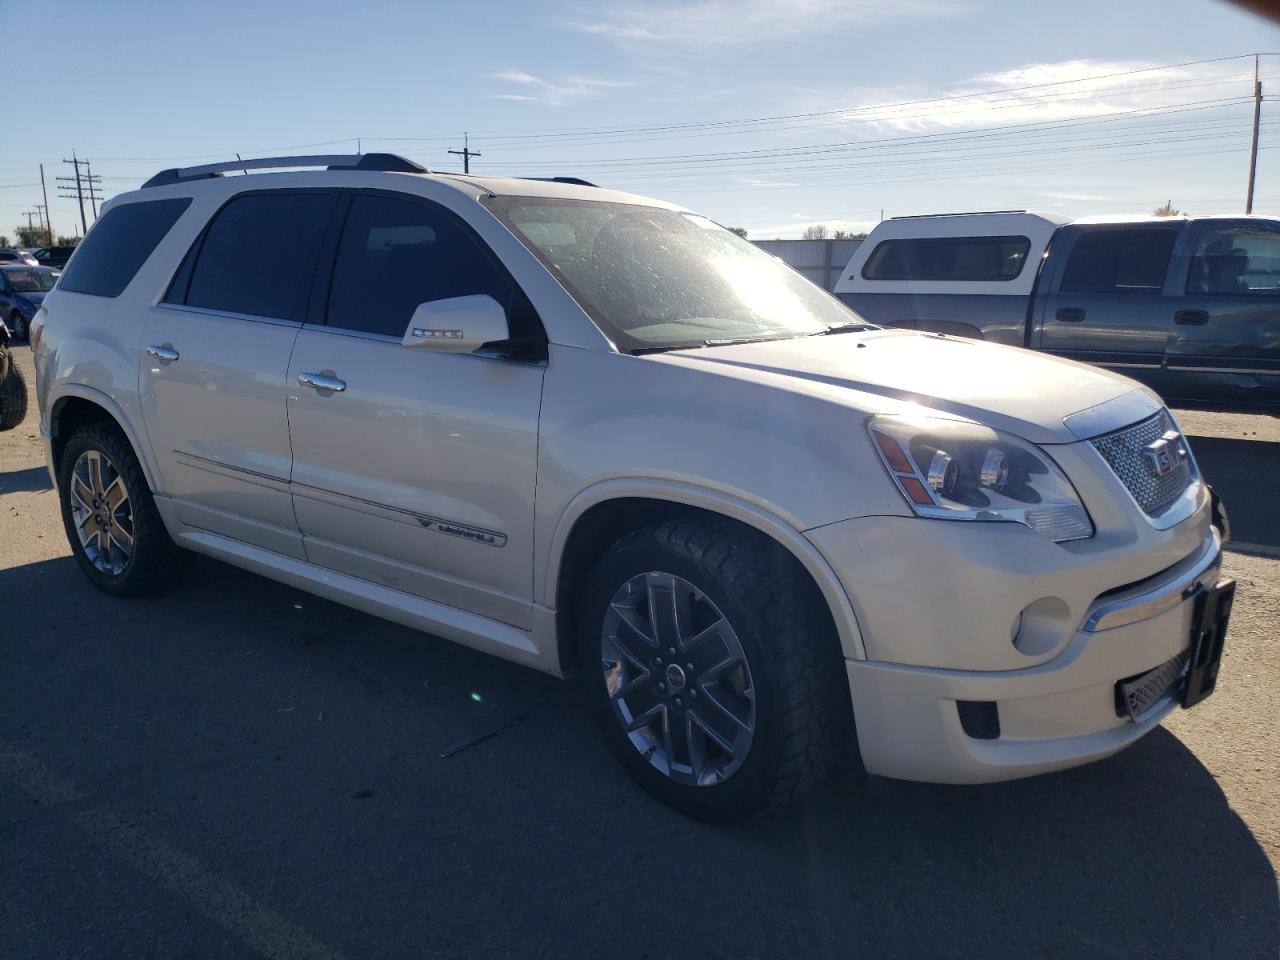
pixel 1019 391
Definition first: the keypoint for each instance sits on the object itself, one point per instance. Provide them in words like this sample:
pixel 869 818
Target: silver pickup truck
pixel 1189 306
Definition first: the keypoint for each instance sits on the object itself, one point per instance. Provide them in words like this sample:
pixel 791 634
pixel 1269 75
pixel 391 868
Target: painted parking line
pixel 256 925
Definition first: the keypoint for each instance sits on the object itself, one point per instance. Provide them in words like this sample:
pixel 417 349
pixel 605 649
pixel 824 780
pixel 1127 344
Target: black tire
pixel 156 562
pixel 803 720
pixel 13 395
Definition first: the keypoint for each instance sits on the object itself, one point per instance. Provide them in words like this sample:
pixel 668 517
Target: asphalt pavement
pixel 237 769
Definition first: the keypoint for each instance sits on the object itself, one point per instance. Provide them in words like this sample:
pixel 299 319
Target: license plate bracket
pixel 1208 635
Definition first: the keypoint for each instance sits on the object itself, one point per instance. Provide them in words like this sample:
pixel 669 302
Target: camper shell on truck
pixel 1189 306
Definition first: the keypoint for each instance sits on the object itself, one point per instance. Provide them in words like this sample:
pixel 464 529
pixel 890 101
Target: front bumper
pixel 1035 636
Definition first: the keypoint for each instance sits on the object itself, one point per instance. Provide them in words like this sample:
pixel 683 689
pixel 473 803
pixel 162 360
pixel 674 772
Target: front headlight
pixel 963 471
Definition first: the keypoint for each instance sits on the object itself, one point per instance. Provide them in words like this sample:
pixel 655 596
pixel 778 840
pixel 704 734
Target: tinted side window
pixel 258 256
pixel 1241 258
pixel 119 244
pixel 396 254
pixel 1119 261
pixel 947 258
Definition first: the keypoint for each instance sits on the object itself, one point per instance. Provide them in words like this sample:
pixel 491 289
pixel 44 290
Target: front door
pixel 1225 344
pixel 1105 304
pixel 415 469
pixel 216 353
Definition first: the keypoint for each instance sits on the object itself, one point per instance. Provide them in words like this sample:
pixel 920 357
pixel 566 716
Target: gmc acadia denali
pixel 600 435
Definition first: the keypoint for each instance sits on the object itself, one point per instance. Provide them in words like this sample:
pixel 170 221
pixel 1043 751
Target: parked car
pixel 22 290
pixel 13 385
pixel 598 434
pixel 10 255
pixel 54 256
pixel 1189 306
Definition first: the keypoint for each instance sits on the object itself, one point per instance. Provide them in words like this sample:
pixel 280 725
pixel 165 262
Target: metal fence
pixel 819 260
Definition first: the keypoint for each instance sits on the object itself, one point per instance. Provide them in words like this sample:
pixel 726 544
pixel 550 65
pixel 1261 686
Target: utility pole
pixel 86 184
pixel 466 153
pixel 1253 153
pixel 44 220
pixel 94 193
pixel 29 214
pixel 48 225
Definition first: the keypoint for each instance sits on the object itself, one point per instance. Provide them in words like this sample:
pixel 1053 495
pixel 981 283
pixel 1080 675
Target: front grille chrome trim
pixel 1124 452
pixel 1149 599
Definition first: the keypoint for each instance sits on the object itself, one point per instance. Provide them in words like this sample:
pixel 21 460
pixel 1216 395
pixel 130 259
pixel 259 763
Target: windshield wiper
pixel 715 342
pixel 845 328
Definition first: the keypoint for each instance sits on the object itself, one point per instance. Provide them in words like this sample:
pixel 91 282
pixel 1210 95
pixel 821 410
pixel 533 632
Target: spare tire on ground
pixel 13 392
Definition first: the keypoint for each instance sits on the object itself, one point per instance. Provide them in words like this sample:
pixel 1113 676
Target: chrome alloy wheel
pixel 678 679
pixel 101 512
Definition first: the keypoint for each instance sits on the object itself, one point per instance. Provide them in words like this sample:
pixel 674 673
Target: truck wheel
pixel 713 668
pixel 111 520
pixel 13 395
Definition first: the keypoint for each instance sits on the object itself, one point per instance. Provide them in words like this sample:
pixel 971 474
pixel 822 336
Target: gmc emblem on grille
pixel 1166 454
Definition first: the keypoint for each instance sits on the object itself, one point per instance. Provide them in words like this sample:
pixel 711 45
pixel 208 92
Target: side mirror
pixel 458 325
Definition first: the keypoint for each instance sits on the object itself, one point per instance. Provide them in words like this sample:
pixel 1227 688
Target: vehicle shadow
pixel 31 480
pixel 295 747
pixel 1237 470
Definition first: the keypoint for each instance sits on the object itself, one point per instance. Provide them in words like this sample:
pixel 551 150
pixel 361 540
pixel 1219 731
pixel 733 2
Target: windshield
pixel 660 279
pixel 31 281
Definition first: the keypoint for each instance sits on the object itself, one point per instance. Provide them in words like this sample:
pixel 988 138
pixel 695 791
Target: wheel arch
pixel 602 514
pixel 78 405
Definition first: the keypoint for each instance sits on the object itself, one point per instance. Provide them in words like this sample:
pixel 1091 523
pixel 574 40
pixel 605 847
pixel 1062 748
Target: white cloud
pixel 1063 91
pixel 738 23
pixel 556 92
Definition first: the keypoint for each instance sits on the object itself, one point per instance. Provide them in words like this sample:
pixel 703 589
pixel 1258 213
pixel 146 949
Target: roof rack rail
pixel 386 162
pixel 575 180
pixel 961 213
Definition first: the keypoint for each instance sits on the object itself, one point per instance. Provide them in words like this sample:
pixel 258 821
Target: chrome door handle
pixel 163 354
pixel 319 381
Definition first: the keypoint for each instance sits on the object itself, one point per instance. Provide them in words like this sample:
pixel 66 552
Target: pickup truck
pixel 1188 306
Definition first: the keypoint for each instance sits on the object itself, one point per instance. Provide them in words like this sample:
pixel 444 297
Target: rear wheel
pixel 111 520
pixel 712 668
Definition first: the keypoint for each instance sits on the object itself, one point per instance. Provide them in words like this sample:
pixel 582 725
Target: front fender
pixel 715 501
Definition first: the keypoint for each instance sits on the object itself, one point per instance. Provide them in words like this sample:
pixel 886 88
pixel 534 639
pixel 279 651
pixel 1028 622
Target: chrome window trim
pixel 1146 600
pixel 206 311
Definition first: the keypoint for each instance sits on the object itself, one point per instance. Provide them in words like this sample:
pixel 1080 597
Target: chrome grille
pixel 1135 697
pixel 1123 451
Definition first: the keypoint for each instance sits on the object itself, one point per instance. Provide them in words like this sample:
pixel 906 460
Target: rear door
pixel 1225 343
pixel 419 473
pixel 1105 302
pixel 216 353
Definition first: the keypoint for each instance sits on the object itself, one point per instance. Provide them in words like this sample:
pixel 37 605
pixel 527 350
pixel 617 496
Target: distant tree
pixel 848 235
pixel 816 231
pixel 65 241
pixel 29 236
pixel 740 231
pixel 4 241
pixel 1168 210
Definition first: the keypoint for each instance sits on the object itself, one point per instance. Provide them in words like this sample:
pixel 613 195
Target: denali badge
pixel 1166 454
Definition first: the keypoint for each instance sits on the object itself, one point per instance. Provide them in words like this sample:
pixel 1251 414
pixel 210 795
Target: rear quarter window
pixel 947 258
pixel 118 245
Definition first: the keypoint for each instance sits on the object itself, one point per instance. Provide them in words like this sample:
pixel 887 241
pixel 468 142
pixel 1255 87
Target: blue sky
pixel 993 108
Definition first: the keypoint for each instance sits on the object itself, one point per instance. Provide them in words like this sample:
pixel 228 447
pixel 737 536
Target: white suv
pixel 599 434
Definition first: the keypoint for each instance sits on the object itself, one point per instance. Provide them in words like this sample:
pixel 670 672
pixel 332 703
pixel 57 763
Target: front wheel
pixel 713 668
